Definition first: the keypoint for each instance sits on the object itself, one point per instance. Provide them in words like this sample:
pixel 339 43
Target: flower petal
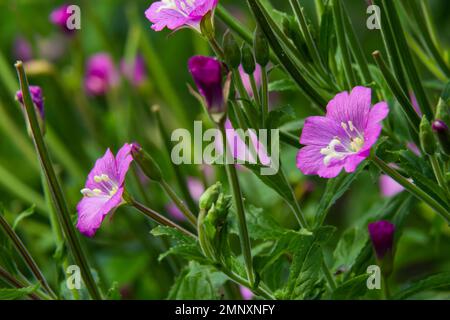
pixel 123 160
pixel 354 107
pixel 319 131
pixel 309 159
pixel 92 211
pixel 104 165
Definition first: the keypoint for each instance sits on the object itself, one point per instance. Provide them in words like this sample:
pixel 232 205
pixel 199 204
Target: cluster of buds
pixel 212 223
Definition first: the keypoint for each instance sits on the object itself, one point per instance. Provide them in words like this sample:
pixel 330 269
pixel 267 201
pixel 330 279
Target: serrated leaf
pixel 305 277
pixel 349 247
pixel 352 289
pixel 184 245
pixel 197 282
pixel 15 294
pixel 261 226
pixel 279 115
pixel 437 281
pixel 334 190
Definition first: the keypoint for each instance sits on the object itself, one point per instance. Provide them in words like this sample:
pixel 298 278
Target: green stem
pixel 412 188
pixel 261 291
pixel 254 89
pixel 340 34
pixel 155 216
pixel 264 95
pixel 386 291
pixel 438 172
pixel 239 205
pixel 244 98
pixel 179 203
pixel 216 48
pixel 28 259
pixel 55 188
pixel 328 275
pixel 289 139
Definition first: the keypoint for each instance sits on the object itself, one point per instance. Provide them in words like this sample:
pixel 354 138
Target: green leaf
pixel 326 34
pixel 305 277
pixel 423 176
pixel 278 115
pixel 197 282
pixel 334 190
pixel 22 216
pixel 351 289
pixel 437 281
pixel 184 246
pixel 349 247
pixel 261 225
pixel 283 85
pixel 15 294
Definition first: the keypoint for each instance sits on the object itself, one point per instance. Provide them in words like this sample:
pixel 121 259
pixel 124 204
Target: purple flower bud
pixel 439 126
pixel 443 134
pixel 101 74
pixel 382 236
pixel 36 96
pixel 135 72
pixel 207 74
pixel 59 18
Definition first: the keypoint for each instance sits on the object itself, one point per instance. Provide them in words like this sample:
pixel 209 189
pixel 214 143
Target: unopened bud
pixel 248 59
pixel 427 140
pixel 146 163
pixel 261 47
pixel 443 135
pixel 231 50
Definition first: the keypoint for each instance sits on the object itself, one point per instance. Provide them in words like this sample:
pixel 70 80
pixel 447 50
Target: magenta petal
pixel 92 212
pixel 123 160
pixel 104 165
pixel 195 187
pixel 377 114
pixel 354 107
pixel 309 159
pixel 319 131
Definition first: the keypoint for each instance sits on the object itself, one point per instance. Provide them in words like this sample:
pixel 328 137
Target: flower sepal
pixel 148 165
pixel 207 28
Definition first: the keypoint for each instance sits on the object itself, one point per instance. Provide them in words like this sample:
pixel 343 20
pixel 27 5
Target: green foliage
pixel 197 282
pixel 16 294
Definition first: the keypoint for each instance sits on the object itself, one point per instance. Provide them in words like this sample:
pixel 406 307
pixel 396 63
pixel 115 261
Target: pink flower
pixel 196 189
pixel 104 189
pixel 37 97
pixel 101 74
pixel 343 138
pixel 59 17
pixel 135 72
pixel 207 75
pixel 246 79
pixel 176 14
pixel 246 293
